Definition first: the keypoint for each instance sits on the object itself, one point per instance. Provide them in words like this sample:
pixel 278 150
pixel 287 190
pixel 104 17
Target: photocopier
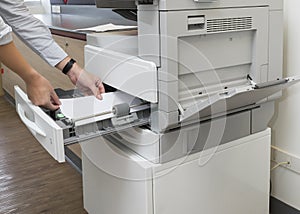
pixel 186 129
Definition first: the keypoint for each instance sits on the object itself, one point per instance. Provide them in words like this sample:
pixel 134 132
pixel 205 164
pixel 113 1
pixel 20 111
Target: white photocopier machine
pixel 187 129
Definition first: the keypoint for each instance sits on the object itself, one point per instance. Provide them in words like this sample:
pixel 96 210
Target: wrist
pixel 31 76
pixel 74 73
pixel 68 66
pixel 63 63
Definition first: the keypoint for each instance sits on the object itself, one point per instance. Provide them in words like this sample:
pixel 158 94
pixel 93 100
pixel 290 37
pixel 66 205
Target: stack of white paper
pixel 87 107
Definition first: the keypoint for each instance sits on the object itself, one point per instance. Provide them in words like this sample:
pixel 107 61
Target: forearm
pixel 36 35
pixel 11 57
pixel 39 90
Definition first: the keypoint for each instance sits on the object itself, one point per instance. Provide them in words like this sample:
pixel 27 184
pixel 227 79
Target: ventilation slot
pixel 229 24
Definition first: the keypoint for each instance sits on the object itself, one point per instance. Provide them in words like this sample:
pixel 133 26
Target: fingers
pixel 47 103
pixel 51 106
pixel 54 98
pixel 50 102
pixel 98 89
pixel 101 89
pixel 41 93
pixel 54 102
pixel 87 83
pixel 96 92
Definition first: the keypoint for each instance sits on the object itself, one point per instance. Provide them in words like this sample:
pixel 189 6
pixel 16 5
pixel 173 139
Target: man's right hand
pixel 39 90
pixel 41 93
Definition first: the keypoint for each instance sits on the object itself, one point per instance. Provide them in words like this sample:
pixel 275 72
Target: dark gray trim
pixel 9 98
pixel 278 207
pixel 73 159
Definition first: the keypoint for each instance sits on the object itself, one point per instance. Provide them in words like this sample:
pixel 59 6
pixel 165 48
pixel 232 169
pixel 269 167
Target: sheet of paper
pixel 107 27
pixel 89 106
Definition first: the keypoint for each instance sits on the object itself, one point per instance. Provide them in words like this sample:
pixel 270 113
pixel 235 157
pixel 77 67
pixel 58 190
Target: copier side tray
pixel 236 98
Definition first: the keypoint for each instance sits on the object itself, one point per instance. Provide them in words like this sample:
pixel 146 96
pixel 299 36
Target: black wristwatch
pixel 68 66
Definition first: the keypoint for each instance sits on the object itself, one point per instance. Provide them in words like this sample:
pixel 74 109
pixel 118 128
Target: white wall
pixel 46 5
pixel 286 123
pixel 38 7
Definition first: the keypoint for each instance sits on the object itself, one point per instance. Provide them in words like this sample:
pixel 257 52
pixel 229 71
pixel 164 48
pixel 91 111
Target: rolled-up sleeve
pixel 5 33
pixel 31 31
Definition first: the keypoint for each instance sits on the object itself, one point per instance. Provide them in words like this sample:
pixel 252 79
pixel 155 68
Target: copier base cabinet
pixel 230 179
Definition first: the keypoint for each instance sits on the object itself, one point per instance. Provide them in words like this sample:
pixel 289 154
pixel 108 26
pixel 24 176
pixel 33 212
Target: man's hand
pixel 87 83
pixel 41 93
pixel 39 90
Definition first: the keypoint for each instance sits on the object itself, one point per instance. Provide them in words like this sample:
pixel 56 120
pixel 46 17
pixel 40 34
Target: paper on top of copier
pixel 108 27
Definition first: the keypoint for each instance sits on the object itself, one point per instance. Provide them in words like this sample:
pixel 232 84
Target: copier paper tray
pixel 81 118
pixel 86 117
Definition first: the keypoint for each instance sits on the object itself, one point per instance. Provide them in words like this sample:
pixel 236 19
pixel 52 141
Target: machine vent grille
pixel 229 24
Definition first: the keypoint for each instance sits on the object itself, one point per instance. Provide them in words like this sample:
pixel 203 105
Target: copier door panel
pixel 117 180
pixel 43 128
pixel 231 178
pixel 213 69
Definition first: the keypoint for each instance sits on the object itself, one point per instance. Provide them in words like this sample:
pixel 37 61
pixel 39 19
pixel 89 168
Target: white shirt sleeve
pixel 31 31
pixel 5 33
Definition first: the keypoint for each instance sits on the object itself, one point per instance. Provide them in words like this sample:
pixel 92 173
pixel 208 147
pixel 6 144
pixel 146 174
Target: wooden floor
pixel 30 180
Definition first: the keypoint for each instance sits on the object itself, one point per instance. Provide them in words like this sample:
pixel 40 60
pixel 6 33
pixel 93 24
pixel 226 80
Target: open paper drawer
pixel 124 72
pixel 43 128
pixel 236 98
pixel 80 119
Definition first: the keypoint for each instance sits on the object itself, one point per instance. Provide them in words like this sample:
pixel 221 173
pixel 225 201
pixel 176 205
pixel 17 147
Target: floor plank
pixel 30 180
